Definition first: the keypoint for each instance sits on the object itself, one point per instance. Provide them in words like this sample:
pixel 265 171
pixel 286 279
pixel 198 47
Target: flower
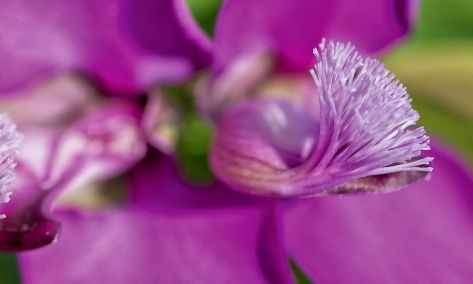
pixel 169 231
pixel 75 134
pixel 72 137
pixel 201 235
pixel 276 38
pixel 358 139
pixel 112 42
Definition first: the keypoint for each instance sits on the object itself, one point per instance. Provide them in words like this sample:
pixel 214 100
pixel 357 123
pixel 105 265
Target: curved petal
pixel 215 246
pixel 261 145
pixel 55 102
pixel 27 226
pixel 167 28
pixel 100 143
pixel 291 29
pixel 66 117
pixel 420 235
pixel 217 92
pixel 262 138
pixel 104 39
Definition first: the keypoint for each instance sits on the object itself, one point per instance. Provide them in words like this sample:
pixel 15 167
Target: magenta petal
pixel 271 131
pixel 217 92
pixel 27 225
pixel 60 115
pixel 419 235
pixel 54 103
pixel 167 28
pixel 292 29
pixel 157 184
pixel 101 144
pixel 259 142
pixel 214 246
pixel 98 38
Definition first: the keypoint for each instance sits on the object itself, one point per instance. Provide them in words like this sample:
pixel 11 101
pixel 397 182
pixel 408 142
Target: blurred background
pixel 435 64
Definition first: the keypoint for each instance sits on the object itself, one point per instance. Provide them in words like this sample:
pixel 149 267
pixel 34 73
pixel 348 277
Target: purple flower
pixel 75 136
pixel 358 139
pixel 112 42
pixel 275 40
pixel 168 231
pixel 290 29
pixel 174 233
pixel 72 137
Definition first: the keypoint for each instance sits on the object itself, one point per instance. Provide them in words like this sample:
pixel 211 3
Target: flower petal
pixel 292 28
pixel 167 28
pixel 157 184
pixel 27 226
pixel 259 141
pixel 217 92
pixel 214 246
pixel 419 235
pixel 260 144
pixel 52 103
pixel 65 152
pixel 102 144
pixel 104 39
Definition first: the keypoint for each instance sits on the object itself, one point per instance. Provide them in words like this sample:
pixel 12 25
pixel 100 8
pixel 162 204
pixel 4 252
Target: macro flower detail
pixel 362 137
pixel 73 138
pixel 110 42
pixel 9 143
pixel 118 101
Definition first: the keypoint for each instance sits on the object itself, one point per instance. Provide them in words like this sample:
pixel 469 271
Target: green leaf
pixel 8 269
pixel 450 126
pixel 441 72
pixel 195 134
pixel 192 149
pixel 205 13
pixel 299 274
pixel 439 78
pixel 444 20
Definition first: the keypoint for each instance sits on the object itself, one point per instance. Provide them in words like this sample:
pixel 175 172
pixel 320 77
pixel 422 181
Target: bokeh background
pixel 435 64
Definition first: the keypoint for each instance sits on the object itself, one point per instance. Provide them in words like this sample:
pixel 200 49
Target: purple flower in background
pixel 167 231
pixel 72 137
pixel 75 133
pixel 109 41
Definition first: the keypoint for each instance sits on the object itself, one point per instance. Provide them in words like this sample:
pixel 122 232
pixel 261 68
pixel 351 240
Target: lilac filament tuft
pixel 366 118
pixel 360 137
pixel 9 144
